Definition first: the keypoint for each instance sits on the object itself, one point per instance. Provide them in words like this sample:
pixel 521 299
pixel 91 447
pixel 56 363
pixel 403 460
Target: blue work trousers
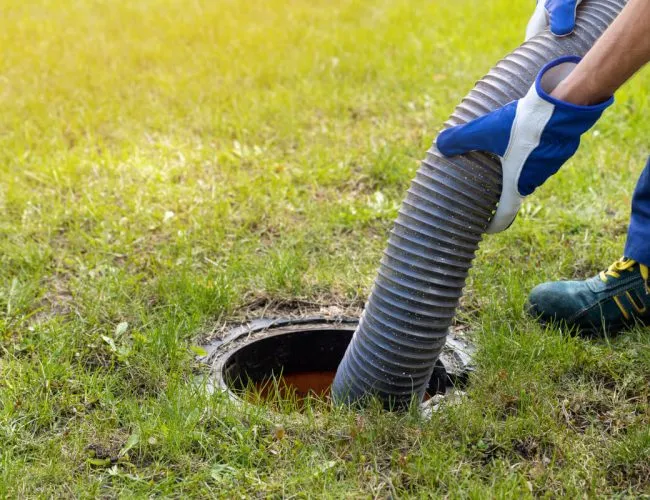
pixel 638 234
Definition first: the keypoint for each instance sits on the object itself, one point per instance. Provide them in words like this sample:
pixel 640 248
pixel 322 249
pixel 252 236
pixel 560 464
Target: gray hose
pixel 438 230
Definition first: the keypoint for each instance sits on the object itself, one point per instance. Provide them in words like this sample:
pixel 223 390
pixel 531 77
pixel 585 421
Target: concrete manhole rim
pixel 456 357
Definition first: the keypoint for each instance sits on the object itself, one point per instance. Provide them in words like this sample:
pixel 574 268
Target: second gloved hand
pixel 533 137
pixel 558 15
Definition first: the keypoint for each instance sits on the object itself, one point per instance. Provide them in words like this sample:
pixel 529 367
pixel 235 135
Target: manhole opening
pixel 301 363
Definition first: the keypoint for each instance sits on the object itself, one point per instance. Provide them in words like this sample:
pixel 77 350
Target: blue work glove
pixel 533 136
pixel 560 15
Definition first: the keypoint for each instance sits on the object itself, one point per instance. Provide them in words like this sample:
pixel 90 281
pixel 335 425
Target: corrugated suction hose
pixel 437 232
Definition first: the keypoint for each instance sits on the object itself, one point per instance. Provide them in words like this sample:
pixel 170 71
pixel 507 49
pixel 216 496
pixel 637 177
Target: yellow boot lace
pixel 625 264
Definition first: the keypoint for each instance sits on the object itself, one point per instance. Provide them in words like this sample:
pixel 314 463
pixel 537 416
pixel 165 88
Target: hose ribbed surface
pixel 438 230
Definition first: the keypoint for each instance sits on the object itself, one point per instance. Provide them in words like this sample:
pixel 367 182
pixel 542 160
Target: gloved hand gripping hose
pixel 437 232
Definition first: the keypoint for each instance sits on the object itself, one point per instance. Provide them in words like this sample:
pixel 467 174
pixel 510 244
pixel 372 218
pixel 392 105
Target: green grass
pixel 167 166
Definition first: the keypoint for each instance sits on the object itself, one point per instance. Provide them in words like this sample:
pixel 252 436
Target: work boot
pixel 607 303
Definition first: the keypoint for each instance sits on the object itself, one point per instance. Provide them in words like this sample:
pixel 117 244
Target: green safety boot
pixel 607 303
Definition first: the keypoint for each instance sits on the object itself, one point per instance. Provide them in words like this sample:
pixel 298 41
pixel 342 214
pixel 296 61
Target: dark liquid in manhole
pixel 299 385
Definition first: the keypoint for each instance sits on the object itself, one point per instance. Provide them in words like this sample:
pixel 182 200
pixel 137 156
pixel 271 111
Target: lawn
pixel 168 167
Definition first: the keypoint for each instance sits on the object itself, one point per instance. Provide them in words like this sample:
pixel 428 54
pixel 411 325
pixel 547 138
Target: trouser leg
pixel 638 235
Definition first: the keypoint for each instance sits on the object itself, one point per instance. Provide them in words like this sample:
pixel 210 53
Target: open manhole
pixel 300 356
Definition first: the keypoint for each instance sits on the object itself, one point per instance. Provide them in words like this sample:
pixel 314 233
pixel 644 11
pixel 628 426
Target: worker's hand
pixel 533 137
pixel 560 15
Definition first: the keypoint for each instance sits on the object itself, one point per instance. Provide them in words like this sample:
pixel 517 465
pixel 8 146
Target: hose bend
pixel 434 240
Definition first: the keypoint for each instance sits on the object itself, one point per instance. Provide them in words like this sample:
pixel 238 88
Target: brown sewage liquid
pixel 299 385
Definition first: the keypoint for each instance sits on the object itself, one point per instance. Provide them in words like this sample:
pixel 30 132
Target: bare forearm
pixel 619 53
